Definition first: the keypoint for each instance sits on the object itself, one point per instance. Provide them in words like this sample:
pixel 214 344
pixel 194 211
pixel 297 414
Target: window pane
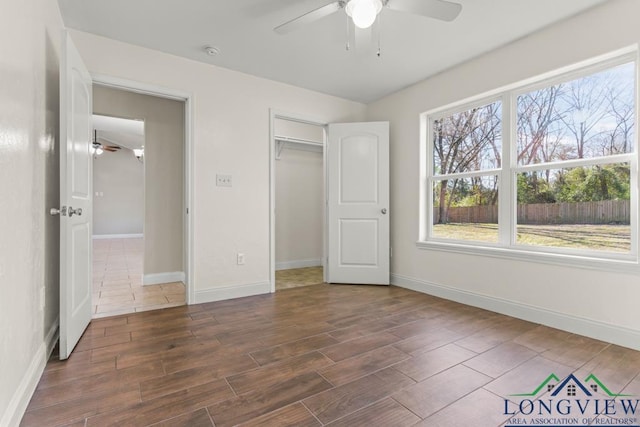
pixel 468 141
pixel 466 209
pixel 589 117
pixel 580 208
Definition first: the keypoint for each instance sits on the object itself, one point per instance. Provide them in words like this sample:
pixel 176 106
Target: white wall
pixel 596 303
pixel 298 130
pixel 118 177
pixel 231 136
pixel 29 186
pixel 299 195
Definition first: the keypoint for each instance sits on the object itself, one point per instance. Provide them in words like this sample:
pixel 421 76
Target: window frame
pixel 507 246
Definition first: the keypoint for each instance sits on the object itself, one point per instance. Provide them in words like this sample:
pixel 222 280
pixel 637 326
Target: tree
pixel 537 116
pixel 464 141
pixel 592 184
pixel 617 138
pixel 586 102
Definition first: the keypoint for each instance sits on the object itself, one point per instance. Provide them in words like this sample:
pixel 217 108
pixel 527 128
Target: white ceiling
pixel 413 47
pixel 126 133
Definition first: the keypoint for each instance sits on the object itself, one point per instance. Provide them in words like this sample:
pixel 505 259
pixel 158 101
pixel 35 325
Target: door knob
pixel 62 211
pixel 384 211
pixel 73 212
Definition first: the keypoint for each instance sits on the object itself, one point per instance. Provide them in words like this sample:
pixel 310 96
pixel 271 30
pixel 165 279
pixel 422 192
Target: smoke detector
pixel 211 50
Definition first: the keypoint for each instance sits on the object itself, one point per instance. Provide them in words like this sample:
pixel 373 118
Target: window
pixel 546 168
pixel 571 390
pixel 466 153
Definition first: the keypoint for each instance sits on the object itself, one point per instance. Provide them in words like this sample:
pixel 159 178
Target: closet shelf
pixel 296 143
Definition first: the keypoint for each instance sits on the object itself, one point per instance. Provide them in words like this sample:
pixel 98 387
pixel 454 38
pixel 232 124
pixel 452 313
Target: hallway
pixel 117 280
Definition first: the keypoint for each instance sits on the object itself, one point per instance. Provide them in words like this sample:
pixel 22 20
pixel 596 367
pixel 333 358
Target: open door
pixel 358 203
pixel 75 197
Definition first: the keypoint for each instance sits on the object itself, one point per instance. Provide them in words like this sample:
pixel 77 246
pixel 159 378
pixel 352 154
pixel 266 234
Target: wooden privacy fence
pixel 603 212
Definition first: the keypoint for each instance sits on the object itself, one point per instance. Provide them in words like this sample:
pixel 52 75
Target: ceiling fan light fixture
pixel 363 12
pixel 97 147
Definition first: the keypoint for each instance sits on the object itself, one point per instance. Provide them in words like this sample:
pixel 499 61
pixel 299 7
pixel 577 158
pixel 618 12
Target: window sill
pixel 628 264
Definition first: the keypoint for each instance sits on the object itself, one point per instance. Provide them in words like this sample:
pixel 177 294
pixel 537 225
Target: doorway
pixel 139 201
pixel 299 194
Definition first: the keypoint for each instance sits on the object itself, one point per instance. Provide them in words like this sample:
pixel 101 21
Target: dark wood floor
pixel 320 355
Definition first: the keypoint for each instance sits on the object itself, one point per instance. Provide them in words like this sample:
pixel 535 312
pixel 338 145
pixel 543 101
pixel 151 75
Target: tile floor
pixel 298 277
pixel 117 280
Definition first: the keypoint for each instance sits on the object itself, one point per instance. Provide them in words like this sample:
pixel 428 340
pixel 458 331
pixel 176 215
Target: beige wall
pixel 30 34
pixel 118 177
pixel 299 195
pixel 593 302
pixel 230 136
pixel 163 171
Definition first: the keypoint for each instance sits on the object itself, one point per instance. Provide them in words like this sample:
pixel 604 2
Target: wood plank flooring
pixel 334 355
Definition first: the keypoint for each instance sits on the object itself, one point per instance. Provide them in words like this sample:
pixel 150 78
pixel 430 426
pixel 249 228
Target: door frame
pixel 188 224
pixel 273 115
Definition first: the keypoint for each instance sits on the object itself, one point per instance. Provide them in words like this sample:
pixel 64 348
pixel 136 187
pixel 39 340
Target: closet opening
pixel 299 190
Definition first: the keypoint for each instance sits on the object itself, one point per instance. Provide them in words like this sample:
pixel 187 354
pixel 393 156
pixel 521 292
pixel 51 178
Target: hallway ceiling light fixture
pixel 139 153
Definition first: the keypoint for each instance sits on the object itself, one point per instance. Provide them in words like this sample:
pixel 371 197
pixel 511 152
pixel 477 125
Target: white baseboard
pixel 599 330
pixel 117 236
pixel 18 404
pixel 229 292
pixel 158 278
pixel 300 263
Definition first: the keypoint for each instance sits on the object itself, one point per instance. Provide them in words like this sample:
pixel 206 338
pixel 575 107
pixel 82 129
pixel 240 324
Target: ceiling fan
pixel 100 148
pixel 364 12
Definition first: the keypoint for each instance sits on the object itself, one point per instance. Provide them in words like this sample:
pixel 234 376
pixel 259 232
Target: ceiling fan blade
pixel 309 17
pixel 438 9
pixel 111 149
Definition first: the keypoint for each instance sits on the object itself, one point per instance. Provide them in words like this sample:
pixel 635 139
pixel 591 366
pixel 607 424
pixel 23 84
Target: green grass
pixel 601 237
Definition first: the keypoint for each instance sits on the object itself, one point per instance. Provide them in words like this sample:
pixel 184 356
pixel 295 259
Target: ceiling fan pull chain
pixel 379 28
pixel 348 32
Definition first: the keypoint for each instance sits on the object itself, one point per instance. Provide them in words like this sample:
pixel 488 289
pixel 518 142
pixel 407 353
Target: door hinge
pixel 390 252
pixel 187 211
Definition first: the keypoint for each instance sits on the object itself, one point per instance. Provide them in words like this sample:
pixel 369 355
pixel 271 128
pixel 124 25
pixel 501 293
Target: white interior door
pixel 358 203
pixel 75 197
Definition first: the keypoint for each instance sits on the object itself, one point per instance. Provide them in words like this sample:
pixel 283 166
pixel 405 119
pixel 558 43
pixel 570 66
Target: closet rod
pixel 298 141
pixel 281 141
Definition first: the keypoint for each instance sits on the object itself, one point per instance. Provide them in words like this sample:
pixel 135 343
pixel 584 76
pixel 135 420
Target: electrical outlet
pixel 240 258
pixel 223 180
